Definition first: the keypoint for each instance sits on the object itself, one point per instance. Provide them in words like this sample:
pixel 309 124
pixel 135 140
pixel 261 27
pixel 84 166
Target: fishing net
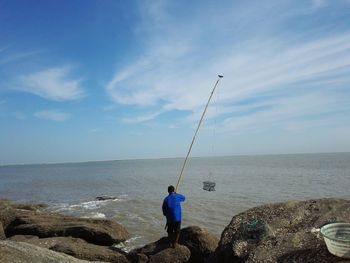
pixel 252 229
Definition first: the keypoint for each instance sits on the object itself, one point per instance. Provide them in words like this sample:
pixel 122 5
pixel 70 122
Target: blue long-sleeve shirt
pixel 172 208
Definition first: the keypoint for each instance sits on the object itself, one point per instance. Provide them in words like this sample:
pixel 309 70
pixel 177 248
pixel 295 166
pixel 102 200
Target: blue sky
pixel 104 80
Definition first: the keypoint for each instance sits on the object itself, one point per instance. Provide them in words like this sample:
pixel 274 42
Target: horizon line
pixel 160 158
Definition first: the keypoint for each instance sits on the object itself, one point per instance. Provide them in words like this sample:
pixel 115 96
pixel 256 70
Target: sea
pixel 139 187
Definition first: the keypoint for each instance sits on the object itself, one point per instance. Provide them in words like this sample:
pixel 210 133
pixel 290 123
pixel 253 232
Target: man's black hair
pixel 171 189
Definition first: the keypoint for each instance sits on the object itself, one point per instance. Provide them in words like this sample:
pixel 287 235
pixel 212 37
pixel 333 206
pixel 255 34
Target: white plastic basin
pixel 337 238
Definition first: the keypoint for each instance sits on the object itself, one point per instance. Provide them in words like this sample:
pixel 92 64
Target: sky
pixel 106 80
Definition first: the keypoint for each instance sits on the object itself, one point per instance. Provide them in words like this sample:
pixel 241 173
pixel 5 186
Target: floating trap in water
pixel 209 186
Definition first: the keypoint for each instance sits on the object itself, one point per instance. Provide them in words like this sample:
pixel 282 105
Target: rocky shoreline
pixel 279 232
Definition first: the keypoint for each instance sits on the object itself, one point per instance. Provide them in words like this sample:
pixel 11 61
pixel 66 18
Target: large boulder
pixel 142 254
pixel 9 210
pixel 160 251
pixel 96 231
pixel 281 232
pixel 18 252
pixel 75 247
pixel 180 254
pixel 81 249
pixel 200 242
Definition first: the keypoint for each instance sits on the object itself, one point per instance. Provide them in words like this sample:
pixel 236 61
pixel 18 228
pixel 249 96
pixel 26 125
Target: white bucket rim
pixel 334 238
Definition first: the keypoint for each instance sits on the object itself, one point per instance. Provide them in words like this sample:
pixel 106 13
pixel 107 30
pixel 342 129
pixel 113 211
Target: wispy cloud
pixel 20 115
pixel 53 115
pixel 142 118
pixel 319 3
pixel 295 112
pixel 177 71
pixel 53 84
pixel 95 130
pixel 15 57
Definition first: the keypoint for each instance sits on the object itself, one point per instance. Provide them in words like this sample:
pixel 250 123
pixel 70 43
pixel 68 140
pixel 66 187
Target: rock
pixel 96 231
pixel 152 248
pixel 18 252
pixel 281 232
pixel 200 242
pixel 75 247
pixel 7 213
pixel 9 210
pixel 2 232
pixel 141 255
pixel 160 251
pixel 30 207
pixel 27 239
pixel 180 254
pixel 81 249
pixel 139 258
pixel 105 197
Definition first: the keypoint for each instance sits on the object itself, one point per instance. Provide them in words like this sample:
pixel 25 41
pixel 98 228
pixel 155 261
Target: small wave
pixel 95 215
pixel 88 205
pixel 56 208
pixel 92 204
pixel 128 244
pixel 133 216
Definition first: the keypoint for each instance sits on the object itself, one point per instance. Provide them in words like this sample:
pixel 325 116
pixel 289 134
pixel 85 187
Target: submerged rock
pixel 105 197
pixel 281 232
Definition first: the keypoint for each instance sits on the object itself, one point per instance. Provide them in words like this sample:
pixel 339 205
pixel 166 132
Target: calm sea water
pixel 242 182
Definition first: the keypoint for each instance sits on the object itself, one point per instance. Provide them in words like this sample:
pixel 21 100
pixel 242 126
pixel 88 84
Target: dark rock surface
pixel 281 232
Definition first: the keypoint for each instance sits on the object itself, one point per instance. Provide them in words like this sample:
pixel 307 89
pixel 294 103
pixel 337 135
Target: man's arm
pixel 181 197
pixel 164 208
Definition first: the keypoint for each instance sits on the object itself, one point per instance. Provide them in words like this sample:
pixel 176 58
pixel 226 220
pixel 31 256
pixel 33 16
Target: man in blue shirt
pixel 172 210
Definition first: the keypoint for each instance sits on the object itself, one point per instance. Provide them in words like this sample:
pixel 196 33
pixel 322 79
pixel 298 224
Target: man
pixel 172 210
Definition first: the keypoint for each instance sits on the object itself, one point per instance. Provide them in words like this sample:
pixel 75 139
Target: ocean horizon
pixel 160 158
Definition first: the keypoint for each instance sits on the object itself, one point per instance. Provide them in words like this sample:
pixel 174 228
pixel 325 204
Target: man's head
pixel 171 189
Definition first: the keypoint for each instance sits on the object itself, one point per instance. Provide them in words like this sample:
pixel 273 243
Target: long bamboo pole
pixel 195 134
